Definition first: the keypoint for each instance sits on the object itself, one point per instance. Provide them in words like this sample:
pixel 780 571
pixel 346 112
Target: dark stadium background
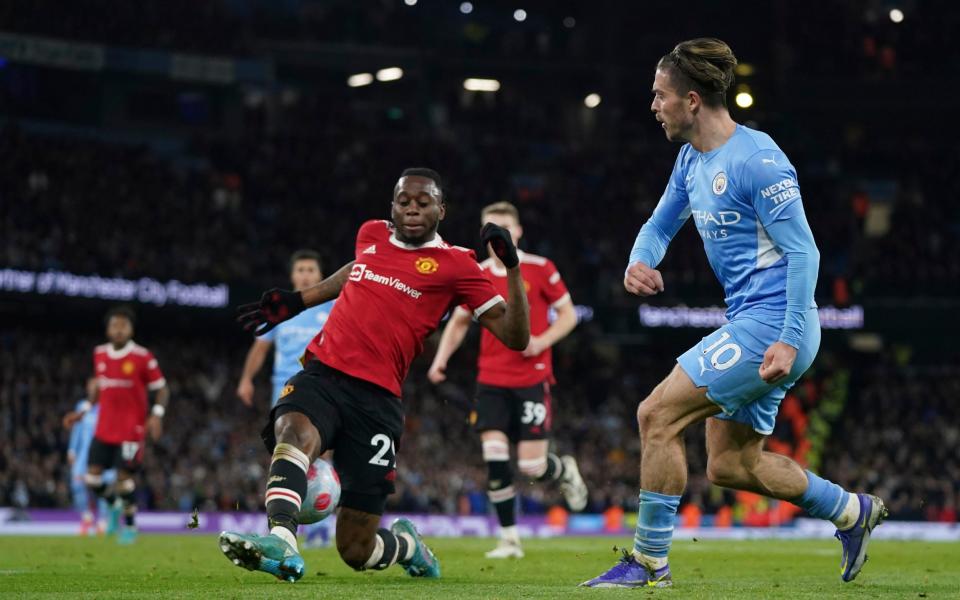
pixel 203 142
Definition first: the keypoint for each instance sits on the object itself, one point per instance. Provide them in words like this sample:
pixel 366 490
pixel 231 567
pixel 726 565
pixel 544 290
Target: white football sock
pixel 286 535
pixel 851 512
pixel 510 534
pixel 650 562
pixel 411 546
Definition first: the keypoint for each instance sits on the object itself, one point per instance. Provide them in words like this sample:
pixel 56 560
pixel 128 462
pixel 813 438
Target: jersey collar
pixel 436 242
pixel 112 353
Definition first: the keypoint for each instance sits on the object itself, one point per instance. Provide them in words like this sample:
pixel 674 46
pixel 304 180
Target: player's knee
pixel 355 552
pixel 724 472
pixel 532 467
pixel 298 432
pixel 126 487
pixel 650 420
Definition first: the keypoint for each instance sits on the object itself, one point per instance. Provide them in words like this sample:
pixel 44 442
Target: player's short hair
pixel 704 65
pixel 306 254
pixel 424 172
pixel 123 311
pixel 500 208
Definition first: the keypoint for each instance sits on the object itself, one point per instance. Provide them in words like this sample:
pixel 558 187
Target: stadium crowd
pixel 211 455
pixel 235 214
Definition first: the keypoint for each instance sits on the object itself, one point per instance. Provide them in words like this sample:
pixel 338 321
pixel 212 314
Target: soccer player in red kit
pixel 513 393
pixel 124 372
pixel 403 280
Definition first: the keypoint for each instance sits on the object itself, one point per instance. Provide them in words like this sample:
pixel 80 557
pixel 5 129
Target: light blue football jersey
pixel 81 435
pixel 290 340
pixel 746 205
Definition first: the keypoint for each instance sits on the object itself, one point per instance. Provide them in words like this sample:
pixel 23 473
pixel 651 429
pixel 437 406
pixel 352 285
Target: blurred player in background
pixel 743 195
pixel 78 449
pixel 403 279
pixel 124 373
pixel 289 338
pixel 514 395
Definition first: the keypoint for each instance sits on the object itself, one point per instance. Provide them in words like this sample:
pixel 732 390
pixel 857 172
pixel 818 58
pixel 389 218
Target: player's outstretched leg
pixel 298 441
pixel 363 544
pixel 736 459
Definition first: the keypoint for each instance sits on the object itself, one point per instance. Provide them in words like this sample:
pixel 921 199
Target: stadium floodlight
pixel 592 101
pixel 360 79
pixel 744 100
pixel 520 15
pixel 466 8
pixel 481 85
pixel 410 2
pixel 389 74
pixel 896 15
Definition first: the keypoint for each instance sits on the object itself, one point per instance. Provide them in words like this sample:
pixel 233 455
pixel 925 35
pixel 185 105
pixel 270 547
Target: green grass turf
pixel 192 566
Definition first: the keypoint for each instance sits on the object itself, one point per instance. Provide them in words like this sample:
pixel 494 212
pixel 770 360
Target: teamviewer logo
pixel 356 273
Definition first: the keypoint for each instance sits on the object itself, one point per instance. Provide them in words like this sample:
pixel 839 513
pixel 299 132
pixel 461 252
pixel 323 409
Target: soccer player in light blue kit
pixel 78 448
pixel 742 193
pixel 290 340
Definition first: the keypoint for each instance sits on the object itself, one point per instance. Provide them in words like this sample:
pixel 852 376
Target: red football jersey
pixel 502 367
pixel 123 378
pixel 394 298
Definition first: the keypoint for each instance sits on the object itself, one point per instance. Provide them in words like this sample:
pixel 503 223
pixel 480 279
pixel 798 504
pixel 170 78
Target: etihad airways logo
pixel 359 272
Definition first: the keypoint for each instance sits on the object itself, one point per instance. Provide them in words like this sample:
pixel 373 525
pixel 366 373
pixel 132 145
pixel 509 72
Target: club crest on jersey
pixel 526 286
pixel 287 390
pixel 426 265
pixel 720 183
pixel 128 367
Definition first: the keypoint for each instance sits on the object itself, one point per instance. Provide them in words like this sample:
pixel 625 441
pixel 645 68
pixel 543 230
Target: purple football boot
pixel 628 573
pixel 854 540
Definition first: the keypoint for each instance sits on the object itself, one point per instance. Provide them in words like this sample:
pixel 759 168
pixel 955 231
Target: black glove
pixel 275 307
pixel 499 239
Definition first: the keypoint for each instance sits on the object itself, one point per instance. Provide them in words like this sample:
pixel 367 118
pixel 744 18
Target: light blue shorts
pixel 727 363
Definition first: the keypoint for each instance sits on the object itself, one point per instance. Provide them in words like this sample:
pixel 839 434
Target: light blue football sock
pixel 655 521
pixel 823 499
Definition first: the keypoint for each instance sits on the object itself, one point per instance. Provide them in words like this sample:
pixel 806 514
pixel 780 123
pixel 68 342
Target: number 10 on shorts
pixel 385 444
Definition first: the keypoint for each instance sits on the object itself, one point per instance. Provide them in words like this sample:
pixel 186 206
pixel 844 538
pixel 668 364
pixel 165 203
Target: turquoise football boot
pixel 424 562
pixel 267 553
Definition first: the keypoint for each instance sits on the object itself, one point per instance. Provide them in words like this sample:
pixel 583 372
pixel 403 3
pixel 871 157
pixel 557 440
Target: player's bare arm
pixel 155 421
pixel 277 306
pixel 73 416
pixel 561 327
pixel 642 280
pixel 452 338
pixel 508 321
pixel 328 289
pixel 251 366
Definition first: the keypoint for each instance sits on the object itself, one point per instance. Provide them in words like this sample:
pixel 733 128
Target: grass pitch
pixel 193 567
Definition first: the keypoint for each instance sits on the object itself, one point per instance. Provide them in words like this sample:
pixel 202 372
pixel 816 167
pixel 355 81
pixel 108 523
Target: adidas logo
pixel 371 250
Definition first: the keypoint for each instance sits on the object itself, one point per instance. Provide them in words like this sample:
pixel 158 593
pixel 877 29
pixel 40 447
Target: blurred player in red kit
pixel 513 392
pixel 124 373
